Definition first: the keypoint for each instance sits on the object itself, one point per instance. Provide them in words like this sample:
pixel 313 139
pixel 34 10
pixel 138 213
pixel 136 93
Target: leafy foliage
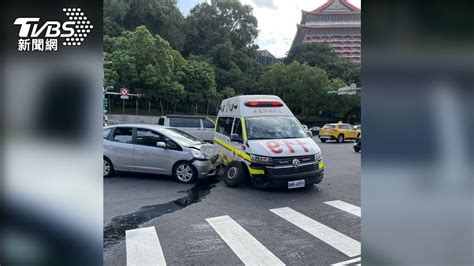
pixel 301 86
pixel 199 80
pixel 222 22
pixel 322 56
pixel 224 33
pixel 305 90
pixel 161 17
pixel 142 60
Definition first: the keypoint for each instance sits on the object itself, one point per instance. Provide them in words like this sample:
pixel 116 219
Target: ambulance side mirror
pixel 236 138
pixel 308 132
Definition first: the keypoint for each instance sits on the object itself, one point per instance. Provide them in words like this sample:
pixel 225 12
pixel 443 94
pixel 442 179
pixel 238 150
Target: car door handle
pixel 139 151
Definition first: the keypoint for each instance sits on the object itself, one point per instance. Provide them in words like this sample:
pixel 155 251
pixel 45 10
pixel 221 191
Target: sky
pixel 277 20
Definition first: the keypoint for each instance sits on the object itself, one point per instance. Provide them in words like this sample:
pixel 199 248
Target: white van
pixel 200 127
pixel 260 138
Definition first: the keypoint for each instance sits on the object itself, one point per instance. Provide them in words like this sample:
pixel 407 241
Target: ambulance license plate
pixel 296 184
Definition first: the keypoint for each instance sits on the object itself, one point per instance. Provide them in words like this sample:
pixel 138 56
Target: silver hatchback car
pixel 158 150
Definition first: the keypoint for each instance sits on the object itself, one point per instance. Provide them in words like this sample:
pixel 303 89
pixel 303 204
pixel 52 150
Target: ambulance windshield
pixel 274 127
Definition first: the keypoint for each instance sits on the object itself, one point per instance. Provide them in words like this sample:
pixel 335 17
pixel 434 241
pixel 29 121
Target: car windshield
pixel 329 126
pixel 274 127
pixel 182 138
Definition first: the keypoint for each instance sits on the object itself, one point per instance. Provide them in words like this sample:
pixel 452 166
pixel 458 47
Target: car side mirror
pixel 161 144
pixel 236 138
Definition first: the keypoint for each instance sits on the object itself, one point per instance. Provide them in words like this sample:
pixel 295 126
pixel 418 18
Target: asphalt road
pixel 324 235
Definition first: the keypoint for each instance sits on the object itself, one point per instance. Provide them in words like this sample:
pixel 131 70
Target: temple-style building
pixel 337 23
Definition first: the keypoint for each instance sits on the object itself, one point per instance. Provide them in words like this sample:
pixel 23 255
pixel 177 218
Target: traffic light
pixel 106 103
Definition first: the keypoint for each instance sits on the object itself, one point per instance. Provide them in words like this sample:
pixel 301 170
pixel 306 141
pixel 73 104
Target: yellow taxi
pixel 339 132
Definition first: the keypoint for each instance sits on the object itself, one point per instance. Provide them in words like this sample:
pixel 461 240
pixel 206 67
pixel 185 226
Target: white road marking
pixel 345 206
pixel 244 245
pixel 143 247
pixel 347 262
pixel 339 241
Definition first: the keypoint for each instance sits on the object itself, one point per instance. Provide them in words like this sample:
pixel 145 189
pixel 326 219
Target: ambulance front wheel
pixel 234 174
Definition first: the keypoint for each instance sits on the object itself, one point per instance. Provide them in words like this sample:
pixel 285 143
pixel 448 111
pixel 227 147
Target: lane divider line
pixel 347 207
pixel 339 241
pixel 249 250
pixel 143 247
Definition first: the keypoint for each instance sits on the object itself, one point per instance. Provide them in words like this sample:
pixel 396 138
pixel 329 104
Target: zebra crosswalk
pixel 143 245
pixel 245 246
pixel 339 241
pixel 352 209
pixel 354 261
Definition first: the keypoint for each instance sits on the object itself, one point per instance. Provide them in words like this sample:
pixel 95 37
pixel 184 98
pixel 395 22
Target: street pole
pixel 110 104
pixel 136 105
pixel 123 106
pixel 149 107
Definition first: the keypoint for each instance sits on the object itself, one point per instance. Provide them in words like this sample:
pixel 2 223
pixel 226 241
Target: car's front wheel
pixel 108 168
pixel 340 138
pixel 184 172
pixel 322 140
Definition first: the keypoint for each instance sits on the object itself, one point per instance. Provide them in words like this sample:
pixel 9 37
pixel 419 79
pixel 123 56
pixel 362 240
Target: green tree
pixel 111 28
pixel 161 17
pixel 334 104
pixel 342 107
pixel 301 86
pixel 221 22
pixel 177 94
pixel 198 79
pixel 225 93
pixel 305 90
pixel 110 77
pixel 322 56
pixel 141 60
pixel 223 33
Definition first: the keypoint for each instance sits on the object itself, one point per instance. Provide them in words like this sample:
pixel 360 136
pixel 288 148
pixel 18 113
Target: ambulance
pixel 260 139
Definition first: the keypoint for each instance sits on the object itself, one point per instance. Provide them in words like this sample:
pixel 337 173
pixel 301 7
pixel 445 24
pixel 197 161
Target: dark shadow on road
pixel 144 176
pixel 115 230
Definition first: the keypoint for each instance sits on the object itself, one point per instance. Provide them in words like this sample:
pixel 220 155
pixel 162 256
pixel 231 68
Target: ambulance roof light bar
pixel 263 103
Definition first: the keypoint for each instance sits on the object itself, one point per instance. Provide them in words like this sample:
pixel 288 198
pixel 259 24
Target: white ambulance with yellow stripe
pixel 260 138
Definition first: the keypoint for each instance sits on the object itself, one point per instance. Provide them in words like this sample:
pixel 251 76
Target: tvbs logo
pixel 37 36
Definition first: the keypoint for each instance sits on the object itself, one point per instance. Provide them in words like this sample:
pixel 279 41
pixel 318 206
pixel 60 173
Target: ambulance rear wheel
pixel 234 174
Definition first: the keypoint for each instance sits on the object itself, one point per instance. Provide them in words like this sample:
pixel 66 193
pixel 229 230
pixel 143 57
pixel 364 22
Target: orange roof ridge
pixel 330 2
